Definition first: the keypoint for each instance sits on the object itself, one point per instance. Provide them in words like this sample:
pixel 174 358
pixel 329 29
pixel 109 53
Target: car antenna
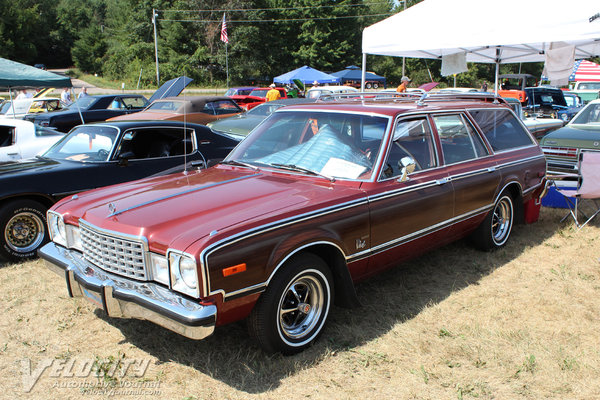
pixel 184 134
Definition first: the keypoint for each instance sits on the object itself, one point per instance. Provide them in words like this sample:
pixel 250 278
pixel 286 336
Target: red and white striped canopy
pixel 584 70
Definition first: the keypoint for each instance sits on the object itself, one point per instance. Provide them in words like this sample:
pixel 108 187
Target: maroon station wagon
pixel 318 197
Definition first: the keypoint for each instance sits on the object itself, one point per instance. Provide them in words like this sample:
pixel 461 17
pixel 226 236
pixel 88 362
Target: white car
pixel 319 91
pixel 23 107
pixel 23 139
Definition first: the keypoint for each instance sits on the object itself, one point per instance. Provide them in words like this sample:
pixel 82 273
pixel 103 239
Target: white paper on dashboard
pixel 342 169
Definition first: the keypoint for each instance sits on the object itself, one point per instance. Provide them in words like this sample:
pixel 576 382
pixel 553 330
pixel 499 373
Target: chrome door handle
pixel 491 169
pixel 442 181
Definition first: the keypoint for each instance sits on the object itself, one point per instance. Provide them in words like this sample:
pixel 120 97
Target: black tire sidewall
pixel 264 321
pixel 483 236
pixel 8 211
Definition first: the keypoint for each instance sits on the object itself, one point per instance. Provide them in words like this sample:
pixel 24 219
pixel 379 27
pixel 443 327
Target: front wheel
pixel 495 230
pixel 291 313
pixel 23 224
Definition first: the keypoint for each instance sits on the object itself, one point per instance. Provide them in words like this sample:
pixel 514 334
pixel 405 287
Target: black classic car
pixel 91 156
pixel 102 107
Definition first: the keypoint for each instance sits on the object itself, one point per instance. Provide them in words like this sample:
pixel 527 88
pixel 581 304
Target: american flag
pixel 224 37
pixel 584 70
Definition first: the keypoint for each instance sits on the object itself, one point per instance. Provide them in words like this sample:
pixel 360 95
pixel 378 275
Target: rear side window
pixel 501 129
pixel 459 140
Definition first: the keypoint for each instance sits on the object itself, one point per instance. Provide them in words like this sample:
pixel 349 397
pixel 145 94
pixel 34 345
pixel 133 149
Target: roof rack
pixel 409 97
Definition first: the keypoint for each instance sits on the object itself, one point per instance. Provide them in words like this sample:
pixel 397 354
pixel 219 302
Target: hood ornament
pixel 112 208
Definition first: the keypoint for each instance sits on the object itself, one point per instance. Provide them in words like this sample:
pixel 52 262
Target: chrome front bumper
pixel 121 297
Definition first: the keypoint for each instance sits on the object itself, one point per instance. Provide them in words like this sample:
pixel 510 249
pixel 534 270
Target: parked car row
pixel 318 197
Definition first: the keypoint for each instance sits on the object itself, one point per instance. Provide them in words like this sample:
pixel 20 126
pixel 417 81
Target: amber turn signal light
pixel 234 270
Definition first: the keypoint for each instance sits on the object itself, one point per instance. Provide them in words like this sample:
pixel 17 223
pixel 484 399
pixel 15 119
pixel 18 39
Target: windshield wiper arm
pixel 239 163
pixel 292 167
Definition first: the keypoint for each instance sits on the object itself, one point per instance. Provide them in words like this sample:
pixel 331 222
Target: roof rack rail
pixel 406 97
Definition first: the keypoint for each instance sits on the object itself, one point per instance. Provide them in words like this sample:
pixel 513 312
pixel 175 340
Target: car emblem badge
pixel 112 208
pixel 304 308
pixel 596 144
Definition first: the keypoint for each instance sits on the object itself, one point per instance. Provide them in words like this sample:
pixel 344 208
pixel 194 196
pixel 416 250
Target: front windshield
pixel 84 143
pixel 589 115
pixel 337 145
pixel 82 103
pixel 259 92
pixel 264 109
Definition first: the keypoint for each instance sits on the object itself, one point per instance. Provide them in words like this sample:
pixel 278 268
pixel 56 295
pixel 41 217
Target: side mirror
pixel 407 164
pixel 124 157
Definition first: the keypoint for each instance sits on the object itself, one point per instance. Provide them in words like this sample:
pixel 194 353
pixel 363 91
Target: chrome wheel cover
pixel 301 307
pixel 502 220
pixel 24 232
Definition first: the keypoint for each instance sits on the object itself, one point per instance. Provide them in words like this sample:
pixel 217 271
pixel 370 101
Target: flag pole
pixel 225 39
pixel 227 65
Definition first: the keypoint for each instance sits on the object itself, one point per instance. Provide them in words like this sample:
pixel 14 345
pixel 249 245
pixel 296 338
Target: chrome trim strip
pixel 522 161
pixel 403 190
pixel 124 298
pixel 206 252
pixel 430 229
pixel 266 283
pixel 181 193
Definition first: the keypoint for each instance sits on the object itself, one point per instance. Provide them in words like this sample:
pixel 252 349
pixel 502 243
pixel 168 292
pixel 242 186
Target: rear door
pixel 471 167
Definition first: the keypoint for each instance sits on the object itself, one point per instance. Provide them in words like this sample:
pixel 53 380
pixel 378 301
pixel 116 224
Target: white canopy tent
pixel 488 31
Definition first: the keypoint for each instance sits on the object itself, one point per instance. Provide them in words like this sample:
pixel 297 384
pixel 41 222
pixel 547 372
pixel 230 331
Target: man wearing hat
pixel 403 84
pixel 273 94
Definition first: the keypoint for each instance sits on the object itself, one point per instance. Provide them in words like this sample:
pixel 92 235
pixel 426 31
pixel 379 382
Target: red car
pixel 257 96
pixel 318 197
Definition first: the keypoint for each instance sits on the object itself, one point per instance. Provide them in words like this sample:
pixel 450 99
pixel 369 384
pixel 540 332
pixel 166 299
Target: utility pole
pixel 154 15
pixel 404 58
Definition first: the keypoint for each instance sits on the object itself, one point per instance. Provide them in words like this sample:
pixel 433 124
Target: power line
pixel 279 8
pixel 274 20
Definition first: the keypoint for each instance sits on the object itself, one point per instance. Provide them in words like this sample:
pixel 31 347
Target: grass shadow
pixel 395 296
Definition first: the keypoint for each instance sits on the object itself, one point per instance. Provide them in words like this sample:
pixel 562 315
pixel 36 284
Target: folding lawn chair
pixel 587 189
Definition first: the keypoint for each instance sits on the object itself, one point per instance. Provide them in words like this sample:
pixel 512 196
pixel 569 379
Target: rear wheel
pixel 291 313
pixel 23 227
pixel 495 230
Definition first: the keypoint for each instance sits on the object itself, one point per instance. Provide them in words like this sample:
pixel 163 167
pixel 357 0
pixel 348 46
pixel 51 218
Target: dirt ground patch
pixel 519 323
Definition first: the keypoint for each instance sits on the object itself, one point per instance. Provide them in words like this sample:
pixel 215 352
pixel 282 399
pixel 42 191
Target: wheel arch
pixel 40 198
pixel 516 194
pixel 332 254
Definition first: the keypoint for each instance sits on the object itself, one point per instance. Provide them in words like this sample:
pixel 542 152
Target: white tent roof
pixel 521 29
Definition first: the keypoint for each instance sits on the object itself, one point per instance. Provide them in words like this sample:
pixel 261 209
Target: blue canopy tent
pixel 306 75
pixel 352 76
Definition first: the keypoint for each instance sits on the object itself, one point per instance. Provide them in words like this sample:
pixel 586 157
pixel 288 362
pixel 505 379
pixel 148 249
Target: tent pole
pixel 12 103
pixel 497 71
pixel 363 72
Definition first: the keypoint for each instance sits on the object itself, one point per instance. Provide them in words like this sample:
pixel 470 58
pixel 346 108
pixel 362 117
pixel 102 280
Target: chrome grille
pixel 114 254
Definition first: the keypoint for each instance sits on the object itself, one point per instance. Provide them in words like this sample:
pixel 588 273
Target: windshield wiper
pixel 292 167
pixel 239 163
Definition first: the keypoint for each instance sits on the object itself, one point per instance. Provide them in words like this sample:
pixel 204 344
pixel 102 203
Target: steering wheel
pixel 102 154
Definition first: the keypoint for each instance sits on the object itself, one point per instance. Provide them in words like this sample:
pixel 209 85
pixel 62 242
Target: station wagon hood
pixel 176 210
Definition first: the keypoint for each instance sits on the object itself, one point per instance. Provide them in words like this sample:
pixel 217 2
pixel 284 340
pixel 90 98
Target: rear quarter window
pixel 501 129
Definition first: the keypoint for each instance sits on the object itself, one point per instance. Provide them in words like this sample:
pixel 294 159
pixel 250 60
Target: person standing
pixel 404 81
pixel 83 93
pixel 484 87
pixel 273 94
pixel 65 97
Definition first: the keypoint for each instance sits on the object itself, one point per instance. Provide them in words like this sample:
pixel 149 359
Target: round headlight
pixel 187 271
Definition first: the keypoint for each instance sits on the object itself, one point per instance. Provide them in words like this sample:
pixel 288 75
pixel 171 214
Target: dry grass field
pixel 519 323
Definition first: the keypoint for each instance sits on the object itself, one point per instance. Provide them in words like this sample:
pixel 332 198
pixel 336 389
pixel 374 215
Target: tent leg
pixel 363 72
pixel 497 72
